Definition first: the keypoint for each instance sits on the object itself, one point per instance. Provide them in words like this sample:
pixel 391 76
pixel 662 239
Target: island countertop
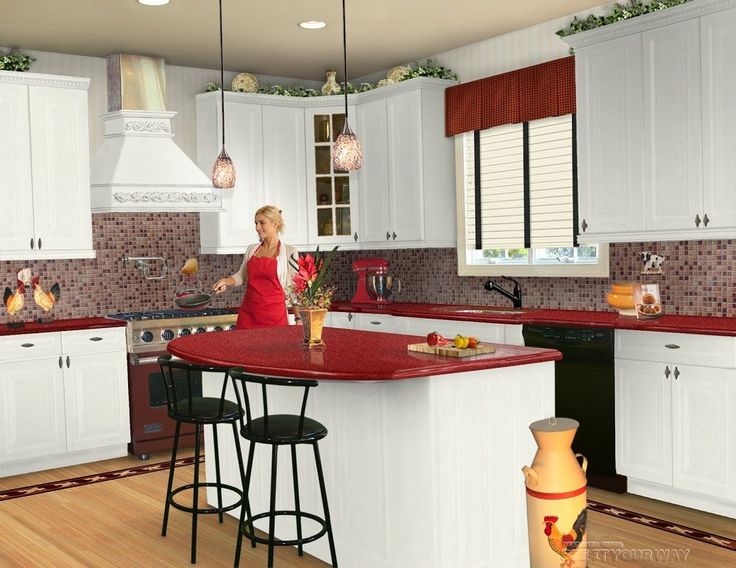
pixel 348 354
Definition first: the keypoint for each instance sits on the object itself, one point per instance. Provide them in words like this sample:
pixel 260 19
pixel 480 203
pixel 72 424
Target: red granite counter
pixel 61 325
pixel 703 325
pixel 348 354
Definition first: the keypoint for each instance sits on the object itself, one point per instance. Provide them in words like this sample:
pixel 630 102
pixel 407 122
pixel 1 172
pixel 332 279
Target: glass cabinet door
pixel 332 188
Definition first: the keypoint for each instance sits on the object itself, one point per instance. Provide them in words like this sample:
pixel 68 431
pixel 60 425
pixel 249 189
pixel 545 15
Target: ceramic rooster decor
pixel 45 300
pixel 14 300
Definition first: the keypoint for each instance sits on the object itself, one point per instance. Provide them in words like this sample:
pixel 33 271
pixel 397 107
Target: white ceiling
pixel 261 36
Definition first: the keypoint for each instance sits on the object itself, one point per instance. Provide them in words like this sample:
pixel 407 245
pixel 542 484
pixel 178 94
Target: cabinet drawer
pixel 94 340
pixel 29 346
pixel 701 350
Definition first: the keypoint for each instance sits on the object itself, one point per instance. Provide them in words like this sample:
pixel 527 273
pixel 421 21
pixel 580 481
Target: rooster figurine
pixel 565 544
pixel 45 300
pixel 14 300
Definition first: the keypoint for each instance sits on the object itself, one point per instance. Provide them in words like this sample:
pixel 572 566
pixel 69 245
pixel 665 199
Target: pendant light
pixel 223 171
pixel 347 154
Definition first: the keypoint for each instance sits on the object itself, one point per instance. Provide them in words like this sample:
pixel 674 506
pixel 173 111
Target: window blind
pixel 502 185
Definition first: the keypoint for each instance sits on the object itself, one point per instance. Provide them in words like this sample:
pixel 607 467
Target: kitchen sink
pixel 489 310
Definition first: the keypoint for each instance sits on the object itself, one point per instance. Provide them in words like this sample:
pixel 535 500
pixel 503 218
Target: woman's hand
pixel 221 285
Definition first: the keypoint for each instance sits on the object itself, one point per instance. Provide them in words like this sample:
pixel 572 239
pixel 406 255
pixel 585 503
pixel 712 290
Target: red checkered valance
pixel 535 92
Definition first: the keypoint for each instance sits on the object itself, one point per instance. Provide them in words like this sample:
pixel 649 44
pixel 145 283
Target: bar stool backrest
pixel 182 387
pixel 241 379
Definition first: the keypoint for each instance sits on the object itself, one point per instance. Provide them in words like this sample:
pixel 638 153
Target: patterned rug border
pixel 661 524
pixel 15 493
pixel 597 506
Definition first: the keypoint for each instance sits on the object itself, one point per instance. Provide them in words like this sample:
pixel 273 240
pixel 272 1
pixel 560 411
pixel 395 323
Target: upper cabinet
pixel 281 148
pixel 44 167
pixel 656 127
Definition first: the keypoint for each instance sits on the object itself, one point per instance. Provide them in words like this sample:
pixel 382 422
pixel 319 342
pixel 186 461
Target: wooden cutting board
pixel 451 351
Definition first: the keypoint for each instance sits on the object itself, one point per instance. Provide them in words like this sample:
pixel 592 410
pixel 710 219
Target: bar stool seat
pixel 185 404
pixel 278 430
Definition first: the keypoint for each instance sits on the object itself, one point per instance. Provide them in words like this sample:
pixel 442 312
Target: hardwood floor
pixel 117 524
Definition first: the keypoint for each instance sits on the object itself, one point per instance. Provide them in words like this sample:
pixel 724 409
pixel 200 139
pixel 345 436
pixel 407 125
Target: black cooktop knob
pixel 167 335
pixel 200 330
pixel 184 332
pixel 217 328
pixel 146 337
pixel 232 326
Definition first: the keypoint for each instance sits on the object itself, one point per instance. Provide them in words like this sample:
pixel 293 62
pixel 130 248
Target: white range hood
pixel 139 167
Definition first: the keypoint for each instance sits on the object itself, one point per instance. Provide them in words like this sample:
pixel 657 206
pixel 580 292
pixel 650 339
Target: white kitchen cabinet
pixel 343 320
pixel 676 417
pixel 332 196
pixel 381 322
pixel 608 78
pixel 63 399
pixel 44 167
pixel 672 127
pixel 656 126
pixel 407 179
pixel 718 75
pixel 231 231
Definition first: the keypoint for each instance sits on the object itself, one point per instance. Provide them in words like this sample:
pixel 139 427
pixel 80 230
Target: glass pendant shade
pixel 347 153
pixel 223 172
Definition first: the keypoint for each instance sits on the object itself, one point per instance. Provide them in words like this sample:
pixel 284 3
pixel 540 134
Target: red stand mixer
pixel 375 286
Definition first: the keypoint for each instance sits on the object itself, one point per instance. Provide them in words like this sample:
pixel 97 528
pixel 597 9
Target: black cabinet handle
pixel 61 364
pixel 667 372
pixel 672 346
pixel 27 345
pixel 677 373
pixel 584 225
pixel 388 235
pixel 350 317
pixel 355 237
pixel 705 220
pixel 67 361
pixel 40 244
pixel 394 236
pixel 95 338
pixel 32 241
pixel 697 220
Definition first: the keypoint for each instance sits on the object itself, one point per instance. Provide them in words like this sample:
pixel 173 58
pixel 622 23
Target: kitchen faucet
pixel 514 296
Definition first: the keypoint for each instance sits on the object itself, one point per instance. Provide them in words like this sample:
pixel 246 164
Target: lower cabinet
pixel 676 418
pixel 63 399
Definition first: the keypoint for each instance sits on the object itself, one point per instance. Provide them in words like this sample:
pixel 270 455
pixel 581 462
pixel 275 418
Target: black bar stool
pixel 278 430
pixel 185 403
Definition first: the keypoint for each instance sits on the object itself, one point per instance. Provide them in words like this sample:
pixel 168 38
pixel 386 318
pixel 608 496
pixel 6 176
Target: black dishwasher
pixel 584 390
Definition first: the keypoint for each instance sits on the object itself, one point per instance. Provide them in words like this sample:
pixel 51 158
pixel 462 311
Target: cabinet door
pixel 60 156
pixel 343 320
pixel 672 127
pixel 704 430
pixel 96 398
pixel 231 231
pixel 406 182
pixel 284 169
pixel 375 221
pixel 644 421
pixel 609 131
pixel 31 409
pixel 16 213
pixel 718 45
pixel 332 196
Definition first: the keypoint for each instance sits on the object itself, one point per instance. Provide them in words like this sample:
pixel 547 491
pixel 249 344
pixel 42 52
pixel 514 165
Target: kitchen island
pixel 424 453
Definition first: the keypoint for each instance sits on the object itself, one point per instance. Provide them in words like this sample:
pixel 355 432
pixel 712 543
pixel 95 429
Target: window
pixel 520 218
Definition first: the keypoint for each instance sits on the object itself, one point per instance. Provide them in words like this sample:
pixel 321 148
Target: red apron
pixel 264 301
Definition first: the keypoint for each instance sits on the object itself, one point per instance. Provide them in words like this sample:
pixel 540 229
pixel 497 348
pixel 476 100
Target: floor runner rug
pixel 660 524
pixel 7 494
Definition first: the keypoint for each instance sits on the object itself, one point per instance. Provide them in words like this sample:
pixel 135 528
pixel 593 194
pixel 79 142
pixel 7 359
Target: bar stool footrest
pixel 247 528
pixel 209 510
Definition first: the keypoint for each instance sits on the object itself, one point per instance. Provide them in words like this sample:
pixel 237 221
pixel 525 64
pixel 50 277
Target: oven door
pixel 150 426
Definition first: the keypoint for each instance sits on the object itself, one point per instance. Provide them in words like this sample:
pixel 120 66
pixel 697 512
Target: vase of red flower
pixel 310 296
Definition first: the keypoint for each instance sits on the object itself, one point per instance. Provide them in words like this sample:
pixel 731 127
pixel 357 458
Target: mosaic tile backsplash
pixel 698 276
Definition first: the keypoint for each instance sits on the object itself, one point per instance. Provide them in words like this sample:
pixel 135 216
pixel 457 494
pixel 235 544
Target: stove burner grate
pixel 171 314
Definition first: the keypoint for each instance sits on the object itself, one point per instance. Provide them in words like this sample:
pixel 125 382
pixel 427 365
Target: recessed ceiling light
pixel 153 2
pixel 312 25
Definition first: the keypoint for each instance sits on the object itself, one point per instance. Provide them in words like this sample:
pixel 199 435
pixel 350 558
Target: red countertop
pixel 61 325
pixel 348 354
pixel 703 325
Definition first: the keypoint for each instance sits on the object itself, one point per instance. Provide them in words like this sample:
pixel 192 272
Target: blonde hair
pixel 272 213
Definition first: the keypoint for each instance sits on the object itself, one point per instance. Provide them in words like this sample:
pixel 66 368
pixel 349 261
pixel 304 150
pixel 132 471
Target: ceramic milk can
pixel 556 492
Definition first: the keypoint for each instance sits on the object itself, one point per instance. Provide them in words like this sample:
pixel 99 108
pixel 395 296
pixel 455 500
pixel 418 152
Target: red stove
pixel 147 334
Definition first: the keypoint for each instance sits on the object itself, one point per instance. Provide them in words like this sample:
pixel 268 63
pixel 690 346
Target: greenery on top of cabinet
pixel 16 61
pixel 618 13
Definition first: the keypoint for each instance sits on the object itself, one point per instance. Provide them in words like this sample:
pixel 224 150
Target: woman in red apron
pixel 266 273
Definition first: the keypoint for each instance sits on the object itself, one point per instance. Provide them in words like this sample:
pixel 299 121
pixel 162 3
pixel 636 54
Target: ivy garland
pixel 618 13
pixel 16 61
pixel 429 69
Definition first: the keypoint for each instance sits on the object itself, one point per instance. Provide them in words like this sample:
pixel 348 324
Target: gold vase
pixel 313 320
